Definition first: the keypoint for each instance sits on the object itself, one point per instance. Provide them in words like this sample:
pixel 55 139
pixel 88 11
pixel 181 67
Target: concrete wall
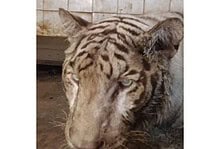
pixel 48 22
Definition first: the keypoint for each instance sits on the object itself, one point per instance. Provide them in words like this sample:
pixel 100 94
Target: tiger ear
pixel 72 23
pixel 165 37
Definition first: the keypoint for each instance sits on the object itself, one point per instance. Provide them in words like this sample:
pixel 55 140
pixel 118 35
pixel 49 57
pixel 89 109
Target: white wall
pixel 48 22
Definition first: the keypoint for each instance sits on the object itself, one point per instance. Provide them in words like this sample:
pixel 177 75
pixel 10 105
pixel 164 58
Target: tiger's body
pixel 118 80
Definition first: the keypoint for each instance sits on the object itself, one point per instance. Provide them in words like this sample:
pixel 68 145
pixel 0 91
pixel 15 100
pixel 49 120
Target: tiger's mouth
pixel 92 146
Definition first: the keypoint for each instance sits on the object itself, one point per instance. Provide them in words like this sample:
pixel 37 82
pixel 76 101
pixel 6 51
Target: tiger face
pixel 112 71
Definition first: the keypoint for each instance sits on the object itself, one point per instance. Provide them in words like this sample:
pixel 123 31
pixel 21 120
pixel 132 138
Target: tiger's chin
pixel 106 141
pixel 85 146
pixel 130 140
pixel 91 145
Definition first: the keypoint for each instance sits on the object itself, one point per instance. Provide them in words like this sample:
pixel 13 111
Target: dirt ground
pixel 51 108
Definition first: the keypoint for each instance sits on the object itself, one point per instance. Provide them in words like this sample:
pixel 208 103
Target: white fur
pixel 176 70
pixel 121 105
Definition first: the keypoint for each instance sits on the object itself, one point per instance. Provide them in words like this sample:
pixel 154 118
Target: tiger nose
pixel 85 145
pixel 82 141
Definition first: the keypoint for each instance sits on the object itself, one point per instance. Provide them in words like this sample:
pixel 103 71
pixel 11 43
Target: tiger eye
pixel 126 82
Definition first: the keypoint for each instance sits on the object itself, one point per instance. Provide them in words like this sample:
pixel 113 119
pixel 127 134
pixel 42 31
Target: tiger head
pixel 116 77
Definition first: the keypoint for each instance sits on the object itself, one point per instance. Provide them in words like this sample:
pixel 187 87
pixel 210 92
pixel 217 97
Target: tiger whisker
pixel 57 124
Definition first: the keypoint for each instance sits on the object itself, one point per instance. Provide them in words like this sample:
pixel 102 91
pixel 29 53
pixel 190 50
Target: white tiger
pixel 118 81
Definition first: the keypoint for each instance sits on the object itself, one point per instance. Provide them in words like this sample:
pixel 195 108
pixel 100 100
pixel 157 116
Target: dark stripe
pixel 162 87
pixel 143 78
pixel 79 42
pixel 108 31
pixel 130 31
pixel 71 64
pixel 133 90
pixel 126 121
pixel 96 48
pixel 142 95
pixel 101 67
pixel 78 58
pixel 64 72
pixel 85 45
pixel 105 57
pixel 111 40
pixel 121 47
pixel 99 27
pixel 83 68
pixel 111 69
pixel 122 37
pixel 92 36
pixel 109 21
pixel 146 65
pixel 101 33
pixel 126 68
pixel 106 38
pixel 137 102
pixel 131 72
pixel 108 76
pixel 82 53
pixel 176 46
pixel 120 57
pixel 136 20
pixel 89 56
pixel 133 25
pixel 115 94
pixel 153 81
pixel 140 99
pixel 132 41
pixel 81 60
